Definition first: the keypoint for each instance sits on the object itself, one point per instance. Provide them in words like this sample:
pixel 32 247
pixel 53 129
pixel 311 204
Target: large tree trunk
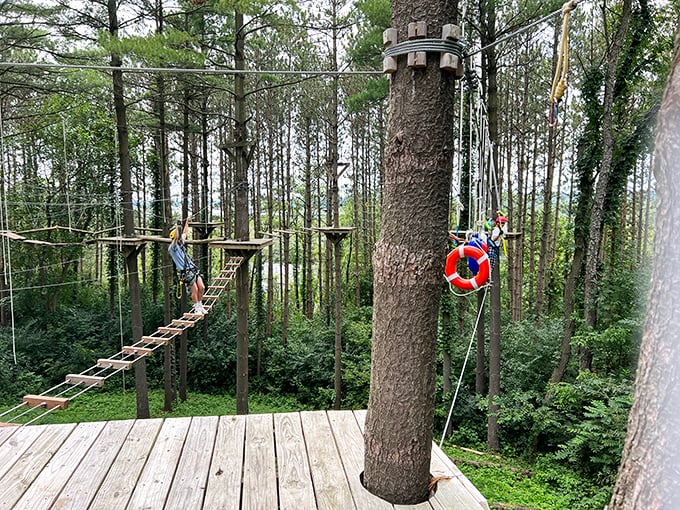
pixel 242 153
pixel 651 460
pixel 131 263
pixel 488 16
pixel 597 213
pixel 408 263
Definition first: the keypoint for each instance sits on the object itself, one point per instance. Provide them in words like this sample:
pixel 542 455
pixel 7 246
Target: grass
pixel 508 482
pixel 121 405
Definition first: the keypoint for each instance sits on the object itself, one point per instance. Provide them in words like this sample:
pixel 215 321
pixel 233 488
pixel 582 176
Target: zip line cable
pixel 179 70
pixel 547 17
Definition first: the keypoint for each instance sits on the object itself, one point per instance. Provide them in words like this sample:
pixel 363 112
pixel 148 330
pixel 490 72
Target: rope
pixel 559 84
pixel 4 219
pixel 462 371
pixel 68 204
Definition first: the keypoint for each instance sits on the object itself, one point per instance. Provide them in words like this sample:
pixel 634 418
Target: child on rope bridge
pixel 189 273
pixel 500 229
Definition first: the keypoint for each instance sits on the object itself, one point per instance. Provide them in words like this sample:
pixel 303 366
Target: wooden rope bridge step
pixel 141 349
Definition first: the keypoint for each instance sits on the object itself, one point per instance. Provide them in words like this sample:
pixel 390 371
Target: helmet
pixel 501 219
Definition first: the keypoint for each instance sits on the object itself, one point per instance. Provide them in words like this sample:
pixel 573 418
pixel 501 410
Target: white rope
pixel 4 219
pixel 66 168
pixel 462 371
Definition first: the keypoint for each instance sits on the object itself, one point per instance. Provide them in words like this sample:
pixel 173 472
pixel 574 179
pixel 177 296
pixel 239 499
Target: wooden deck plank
pixel 189 483
pixel 224 481
pixel 55 475
pixel 350 441
pixel 330 485
pixel 457 493
pixel 82 487
pixel 290 461
pixel 12 449
pixel 6 431
pixel 154 483
pixel 259 464
pixel 117 487
pixel 296 491
pixel 27 468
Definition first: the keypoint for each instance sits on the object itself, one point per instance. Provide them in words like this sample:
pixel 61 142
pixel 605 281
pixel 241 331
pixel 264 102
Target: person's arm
pixel 186 229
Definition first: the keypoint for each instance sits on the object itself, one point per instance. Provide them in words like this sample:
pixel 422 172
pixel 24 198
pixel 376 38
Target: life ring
pixel 466 250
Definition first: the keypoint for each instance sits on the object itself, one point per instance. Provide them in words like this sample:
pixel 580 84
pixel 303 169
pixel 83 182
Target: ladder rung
pixel 138 351
pixel 185 323
pixel 170 330
pixel 47 402
pixel 156 340
pixel 211 296
pixel 194 316
pixel 87 380
pixel 217 287
pixel 3 424
pixel 114 363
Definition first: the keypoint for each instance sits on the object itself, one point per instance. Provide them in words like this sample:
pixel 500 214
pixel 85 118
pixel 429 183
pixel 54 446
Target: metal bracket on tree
pixel 417 46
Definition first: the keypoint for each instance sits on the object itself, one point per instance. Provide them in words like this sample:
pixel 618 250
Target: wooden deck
pixel 307 460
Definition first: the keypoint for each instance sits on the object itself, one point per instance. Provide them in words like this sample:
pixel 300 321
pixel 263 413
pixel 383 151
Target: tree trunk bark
pixel 597 213
pixel 408 264
pixel 651 460
pixel 128 216
pixel 241 225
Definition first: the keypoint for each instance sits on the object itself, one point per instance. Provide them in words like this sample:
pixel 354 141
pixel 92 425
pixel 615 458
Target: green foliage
pixel 585 422
pixel 597 440
pixel 543 483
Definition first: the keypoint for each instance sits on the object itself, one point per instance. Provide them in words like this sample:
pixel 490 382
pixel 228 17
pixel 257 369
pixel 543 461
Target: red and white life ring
pixel 451 272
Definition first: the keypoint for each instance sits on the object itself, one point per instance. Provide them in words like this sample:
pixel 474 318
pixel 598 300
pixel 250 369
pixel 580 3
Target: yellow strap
pixel 179 289
pixel 559 85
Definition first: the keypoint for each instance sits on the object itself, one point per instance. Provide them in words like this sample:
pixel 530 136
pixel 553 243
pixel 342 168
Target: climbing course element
pixel 451 270
pixel 59 396
pixel 559 84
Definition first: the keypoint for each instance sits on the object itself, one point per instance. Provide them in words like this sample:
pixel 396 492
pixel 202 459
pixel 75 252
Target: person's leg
pixel 194 293
pixel 200 288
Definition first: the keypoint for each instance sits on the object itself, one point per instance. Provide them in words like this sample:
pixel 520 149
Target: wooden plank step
pixel 211 296
pixel 217 287
pixel 87 380
pixel 170 330
pixel 191 315
pixel 181 322
pixel 156 340
pixel 224 278
pixel 46 402
pixel 116 364
pixel 137 351
pixel 3 424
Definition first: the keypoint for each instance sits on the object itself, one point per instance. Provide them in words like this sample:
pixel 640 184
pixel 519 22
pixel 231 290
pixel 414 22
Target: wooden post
pixel 389 39
pixel 417 59
pixel 449 61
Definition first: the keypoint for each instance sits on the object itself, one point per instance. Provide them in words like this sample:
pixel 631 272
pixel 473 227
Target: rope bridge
pixel 59 396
